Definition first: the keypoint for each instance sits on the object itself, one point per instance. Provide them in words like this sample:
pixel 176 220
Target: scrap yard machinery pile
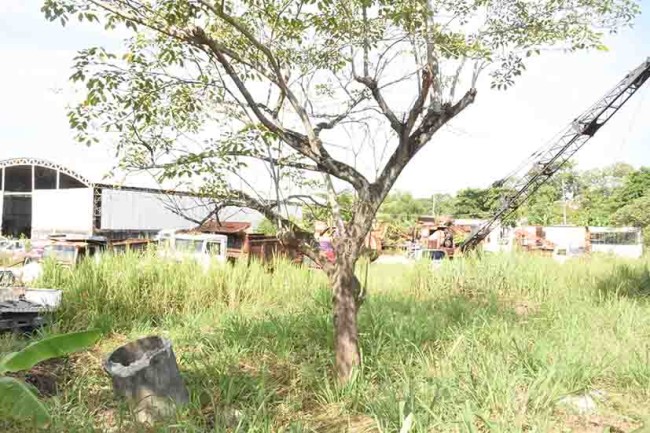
pixel 22 308
pixel 544 163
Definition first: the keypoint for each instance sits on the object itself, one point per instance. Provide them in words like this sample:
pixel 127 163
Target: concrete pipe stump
pixel 145 373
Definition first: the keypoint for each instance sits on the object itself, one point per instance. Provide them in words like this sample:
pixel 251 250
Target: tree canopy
pixel 259 103
pixel 203 90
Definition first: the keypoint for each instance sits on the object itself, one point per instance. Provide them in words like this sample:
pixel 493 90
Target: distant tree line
pixel 614 195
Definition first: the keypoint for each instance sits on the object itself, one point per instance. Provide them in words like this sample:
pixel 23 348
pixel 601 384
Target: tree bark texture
pixel 346 301
pixel 347 295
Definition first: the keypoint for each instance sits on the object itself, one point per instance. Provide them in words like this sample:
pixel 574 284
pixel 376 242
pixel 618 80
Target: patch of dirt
pixel 524 308
pixel 346 424
pixel 45 377
pixel 521 307
pixel 107 420
pixel 282 372
pixel 596 424
pixel 331 418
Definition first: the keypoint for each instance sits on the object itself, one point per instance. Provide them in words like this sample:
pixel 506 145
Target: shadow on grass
pixel 625 281
pixel 394 328
pixel 260 365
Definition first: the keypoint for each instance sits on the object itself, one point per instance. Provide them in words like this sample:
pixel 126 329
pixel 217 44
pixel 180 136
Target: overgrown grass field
pixel 490 344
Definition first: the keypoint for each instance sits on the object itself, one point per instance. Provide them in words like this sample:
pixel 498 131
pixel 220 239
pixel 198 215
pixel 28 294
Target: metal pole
pixel 564 202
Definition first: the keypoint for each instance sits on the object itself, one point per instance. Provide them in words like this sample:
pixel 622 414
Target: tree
pixel 344 205
pixel 635 185
pixel 476 202
pixel 400 210
pixel 267 227
pixel 399 213
pixel 598 189
pixel 401 207
pixel 547 205
pixel 442 204
pixel 307 90
pixel 637 214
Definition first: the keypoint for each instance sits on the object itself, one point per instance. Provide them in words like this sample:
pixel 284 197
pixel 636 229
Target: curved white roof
pixel 13 162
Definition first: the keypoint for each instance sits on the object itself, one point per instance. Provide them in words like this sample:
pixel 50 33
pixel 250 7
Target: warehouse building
pixel 39 198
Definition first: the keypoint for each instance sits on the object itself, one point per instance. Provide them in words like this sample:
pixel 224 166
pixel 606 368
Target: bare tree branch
pixel 416 110
pixel 295 140
pixel 372 85
pixel 338 118
pixel 303 199
pixel 176 209
pixel 334 205
pixel 452 93
pixel 281 162
pixel 275 66
pixel 433 120
pixel 407 148
pixel 366 45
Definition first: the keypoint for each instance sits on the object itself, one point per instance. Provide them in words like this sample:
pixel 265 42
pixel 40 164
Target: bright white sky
pixel 482 145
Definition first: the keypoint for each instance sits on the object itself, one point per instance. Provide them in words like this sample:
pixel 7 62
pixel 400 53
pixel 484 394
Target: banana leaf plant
pixel 19 400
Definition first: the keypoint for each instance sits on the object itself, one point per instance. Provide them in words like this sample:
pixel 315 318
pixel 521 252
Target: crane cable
pixel 633 121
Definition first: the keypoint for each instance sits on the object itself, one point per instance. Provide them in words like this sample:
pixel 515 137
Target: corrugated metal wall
pixel 62 211
pixel 136 210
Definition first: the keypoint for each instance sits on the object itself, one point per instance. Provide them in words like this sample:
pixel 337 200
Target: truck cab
pixel 70 250
pixel 201 247
pixel 436 256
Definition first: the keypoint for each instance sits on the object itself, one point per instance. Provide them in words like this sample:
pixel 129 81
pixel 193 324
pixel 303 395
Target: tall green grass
pixel 119 292
pixel 480 344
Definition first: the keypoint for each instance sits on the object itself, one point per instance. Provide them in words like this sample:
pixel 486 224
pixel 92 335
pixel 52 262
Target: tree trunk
pixel 346 290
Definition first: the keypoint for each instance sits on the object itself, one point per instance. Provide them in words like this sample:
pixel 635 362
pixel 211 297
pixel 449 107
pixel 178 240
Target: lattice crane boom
pixel 546 162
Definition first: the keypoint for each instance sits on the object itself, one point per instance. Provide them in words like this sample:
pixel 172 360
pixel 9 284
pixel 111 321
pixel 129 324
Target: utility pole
pixel 433 205
pixel 564 202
